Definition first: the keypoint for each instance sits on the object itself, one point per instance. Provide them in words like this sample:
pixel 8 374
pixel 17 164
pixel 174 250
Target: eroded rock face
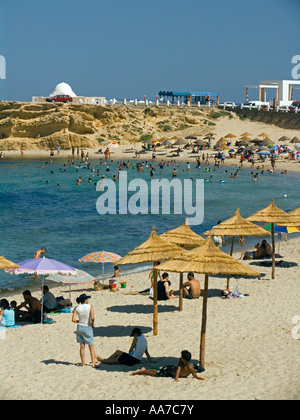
pixel 49 125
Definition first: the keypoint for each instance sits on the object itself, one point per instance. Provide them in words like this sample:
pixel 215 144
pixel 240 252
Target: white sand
pixel 250 349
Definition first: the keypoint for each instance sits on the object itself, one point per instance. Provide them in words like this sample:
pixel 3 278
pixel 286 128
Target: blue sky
pixel 131 48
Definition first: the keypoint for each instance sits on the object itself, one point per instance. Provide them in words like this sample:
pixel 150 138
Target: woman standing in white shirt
pixel 84 333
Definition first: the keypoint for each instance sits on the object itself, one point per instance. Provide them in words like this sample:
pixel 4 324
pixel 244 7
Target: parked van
pixel 255 104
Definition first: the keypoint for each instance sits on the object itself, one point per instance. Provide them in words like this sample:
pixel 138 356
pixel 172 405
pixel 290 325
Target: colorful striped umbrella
pixel 100 257
pixel 81 277
pixel 282 229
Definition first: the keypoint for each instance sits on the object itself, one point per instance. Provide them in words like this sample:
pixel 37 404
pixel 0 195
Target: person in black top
pixel 163 288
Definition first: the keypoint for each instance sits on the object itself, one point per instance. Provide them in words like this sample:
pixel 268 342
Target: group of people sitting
pixel 191 288
pixel 261 251
pixel 29 310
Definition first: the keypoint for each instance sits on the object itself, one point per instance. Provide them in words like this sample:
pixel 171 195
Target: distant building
pixel 283 95
pixel 189 97
pixel 65 89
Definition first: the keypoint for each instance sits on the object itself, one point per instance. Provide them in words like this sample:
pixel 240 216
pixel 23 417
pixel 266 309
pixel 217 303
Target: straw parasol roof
pixel 207 259
pixel 270 214
pixel 199 142
pixel 5 264
pixel 237 226
pixel 225 147
pixel 183 236
pixel 167 143
pixel 267 142
pixel 274 215
pixel 230 136
pixel 284 138
pixel 295 140
pixel 295 212
pixel 246 134
pixel 247 138
pixel 210 260
pixel 153 250
pixel 263 135
pixel 180 141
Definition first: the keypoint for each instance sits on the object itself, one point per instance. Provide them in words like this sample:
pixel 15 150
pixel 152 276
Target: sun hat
pixel 84 297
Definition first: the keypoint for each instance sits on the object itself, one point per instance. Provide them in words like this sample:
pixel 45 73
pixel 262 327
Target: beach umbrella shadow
pixel 118 331
pixel 140 309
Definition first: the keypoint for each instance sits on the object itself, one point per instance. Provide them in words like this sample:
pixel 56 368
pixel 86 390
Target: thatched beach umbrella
pixel 295 212
pixel 199 142
pixel 211 261
pixel 167 143
pixel 264 135
pixel 295 140
pixel 180 141
pixel 274 215
pixel 230 136
pixel 153 250
pixel 245 134
pixel 236 226
pixel 224 147
pixel 5 264
pixel 184 237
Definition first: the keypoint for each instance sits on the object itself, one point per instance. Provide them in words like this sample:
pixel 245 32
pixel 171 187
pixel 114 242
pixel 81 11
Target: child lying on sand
pixel 182 370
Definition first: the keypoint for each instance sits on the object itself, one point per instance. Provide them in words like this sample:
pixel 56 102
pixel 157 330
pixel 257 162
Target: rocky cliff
pixel 46 126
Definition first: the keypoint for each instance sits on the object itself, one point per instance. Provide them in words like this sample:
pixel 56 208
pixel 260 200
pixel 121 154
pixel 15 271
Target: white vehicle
pixel 255 104
pixel 229 104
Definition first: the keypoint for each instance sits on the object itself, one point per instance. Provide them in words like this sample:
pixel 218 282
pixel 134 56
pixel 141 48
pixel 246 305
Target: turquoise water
pixel 64 219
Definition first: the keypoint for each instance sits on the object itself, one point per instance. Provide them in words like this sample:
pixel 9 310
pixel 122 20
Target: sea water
pixel 64 218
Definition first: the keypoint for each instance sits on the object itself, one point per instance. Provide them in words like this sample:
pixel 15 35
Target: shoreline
pixel 186 156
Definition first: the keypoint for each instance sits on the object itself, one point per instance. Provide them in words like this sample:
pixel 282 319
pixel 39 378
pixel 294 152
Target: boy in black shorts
pixel 182 370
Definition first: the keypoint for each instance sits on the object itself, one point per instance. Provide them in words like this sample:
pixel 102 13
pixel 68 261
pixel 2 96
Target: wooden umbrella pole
pixel 155 307
pixel 181 292
pixel 203 327
pixel 231 252
pixel 273 252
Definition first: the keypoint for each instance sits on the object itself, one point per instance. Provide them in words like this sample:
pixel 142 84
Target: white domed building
pixel 65 89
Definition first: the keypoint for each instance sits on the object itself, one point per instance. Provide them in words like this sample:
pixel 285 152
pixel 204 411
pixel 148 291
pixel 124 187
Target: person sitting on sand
pixel 33 306
pixel 194 290
pixel 49 300
pixel 39 252
pixel 7 314
pixel 263 250
pixel 163 288
pixel 182 370
pixel 138 347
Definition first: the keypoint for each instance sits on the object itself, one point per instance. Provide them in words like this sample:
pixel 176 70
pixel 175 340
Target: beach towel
pixel 48 321
pixel 13 326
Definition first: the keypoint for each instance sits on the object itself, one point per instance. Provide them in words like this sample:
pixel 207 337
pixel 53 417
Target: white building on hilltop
pixel 65 89
pixel 283 95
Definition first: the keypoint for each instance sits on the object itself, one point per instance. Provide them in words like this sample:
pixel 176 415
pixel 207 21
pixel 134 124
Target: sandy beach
pixel 223 127
pixel 252 349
